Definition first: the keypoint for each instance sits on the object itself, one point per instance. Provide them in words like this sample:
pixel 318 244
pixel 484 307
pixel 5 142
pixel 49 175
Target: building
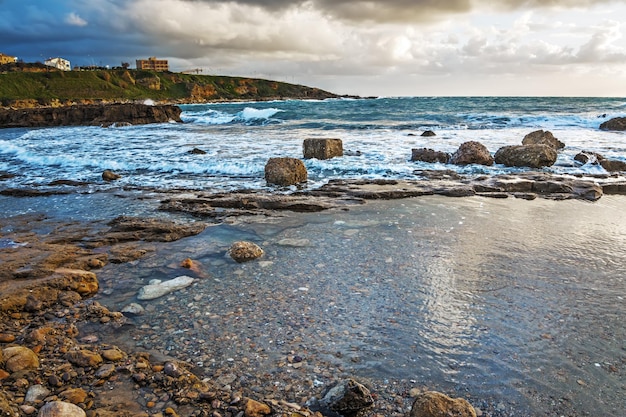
pixel 5 59
pixel 153 64
pixel 58 63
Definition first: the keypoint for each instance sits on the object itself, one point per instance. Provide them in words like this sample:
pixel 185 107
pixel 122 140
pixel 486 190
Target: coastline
pixel 59 314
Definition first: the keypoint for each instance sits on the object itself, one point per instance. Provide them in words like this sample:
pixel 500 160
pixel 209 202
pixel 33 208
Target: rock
pixel 133 308
pixel 83 282
pixel 74 395
pixel 172 369
pixel 429 155
pixel 347 398
pixel 152 291
pixel 196 151
pixel 294 242
pixel 84 358
pixel 89 115
pixel 6 338
pixel 541 137
pixel 435 404
pixel 61 409
pixel 618 123
pixel 471 153
pixel 533 156
pixel 113 355
pixel 322 148
pixel 5 406
pixel 428 133
pixel 285 171
pixel 613 165
pixel 36 393
pixel 125 228
pixel 587 157
pixel 109 175
pixel 106 370
pixel 256 409
pixel 245 251
pixel 19 358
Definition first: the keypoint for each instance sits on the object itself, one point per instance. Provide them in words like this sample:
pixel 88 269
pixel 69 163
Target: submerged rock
pixel 617 123
pixel 429 155
pixel 533 156
pixel 245 251
pixel 322 148
pixel 588 157
pixel 471 152
pixel 348 398
pixel 613 165
pixel 428 133
pixel 436 404
pixel 152 291
pixel 109 175
pixel 285 171
pixel 542 137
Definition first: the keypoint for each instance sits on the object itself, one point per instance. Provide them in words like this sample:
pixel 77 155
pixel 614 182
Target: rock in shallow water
pixel 61 409
pixel 245 251
pixel 436 404
pixel 152 291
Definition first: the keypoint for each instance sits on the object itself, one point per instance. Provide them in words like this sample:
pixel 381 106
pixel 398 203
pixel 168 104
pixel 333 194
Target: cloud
pixel 73 19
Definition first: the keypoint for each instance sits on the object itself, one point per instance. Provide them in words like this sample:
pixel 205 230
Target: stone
pixel 471 152
pixel 617 123
pixel 347 398
pixel 134 309
pixel 74 395
pixel 428 133
pixel 84 358
pixel 152 291
pixel 322 148
pixel 36 393
pixel 542 137
pixel 294 242
pixel 61 409
pixel 436 404
pixel 533 156
pixel 105 371
pixel 196 151
pixel 587 157
pixel 19 358
pixel 256 409
pixel 429 155
pixel 108 175
pixel 285 171
pixel 5 406
pixel 245 251
pixel 113 355
pixel 83 282
pixel 6 338
pixel 125 229
pixel 613 165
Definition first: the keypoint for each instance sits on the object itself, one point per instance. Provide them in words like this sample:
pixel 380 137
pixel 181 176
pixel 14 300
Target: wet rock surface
pixel 285 171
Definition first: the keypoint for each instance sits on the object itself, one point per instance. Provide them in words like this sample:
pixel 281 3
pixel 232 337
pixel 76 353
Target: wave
pixel 247 116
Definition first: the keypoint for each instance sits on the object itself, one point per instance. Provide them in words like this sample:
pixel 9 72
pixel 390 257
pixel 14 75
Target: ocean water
pixel 238 138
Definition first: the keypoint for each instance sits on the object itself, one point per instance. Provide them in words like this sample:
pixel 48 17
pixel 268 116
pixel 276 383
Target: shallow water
pixel 516 305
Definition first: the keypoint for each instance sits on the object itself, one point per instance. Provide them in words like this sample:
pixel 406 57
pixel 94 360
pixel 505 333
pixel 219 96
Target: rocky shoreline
pixel 48 319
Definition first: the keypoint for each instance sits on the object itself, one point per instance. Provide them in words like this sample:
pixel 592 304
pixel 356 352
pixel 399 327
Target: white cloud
pixel 74 19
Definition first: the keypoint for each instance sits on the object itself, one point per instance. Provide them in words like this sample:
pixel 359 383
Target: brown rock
pixel 322 148
pixel 541 137
pixel 618 123
pixel 588 157
pixel 6 338
pixel 533 156
pixel 285 171
pixel 125 229
pixel 245 251
pixel 83 282
pixel 472 153
pixel 109 175
pixel 5 406
pixel 196 151
pixel 74 395
pixel 428 133
pixel 348 398
pixel 61 409
pixel 113 355
pixel 19 358
pixel 435 404
pixel 256 409
pixel 429 155
pixel 613 165
pixel 84 358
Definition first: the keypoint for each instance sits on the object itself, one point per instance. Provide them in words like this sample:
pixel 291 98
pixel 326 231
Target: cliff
pixel 93 115
pixel 23 87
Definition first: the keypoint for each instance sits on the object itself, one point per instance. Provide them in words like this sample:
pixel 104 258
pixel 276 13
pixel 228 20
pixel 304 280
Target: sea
pixel 515 305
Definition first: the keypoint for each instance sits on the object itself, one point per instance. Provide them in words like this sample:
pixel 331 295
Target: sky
pixel 363 47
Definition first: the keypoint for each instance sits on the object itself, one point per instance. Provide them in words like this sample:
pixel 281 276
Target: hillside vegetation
pixel 22 87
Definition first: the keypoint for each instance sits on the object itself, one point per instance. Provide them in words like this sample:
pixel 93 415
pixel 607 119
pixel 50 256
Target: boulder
pixel 84 358
pixel 109 175
pixel 61 409
pixel 322 148
pixel 542 137
pixel 285 171
pixel 348 398
pixel 36 393
pixel 159 289
pixel 428 133
pixel 256 409
pixel 436 404
pixel 618 123
pixel 429 155
pixel 533 156
pixel 245 251
pixel 613 165
pixel 19 358
pixel 471 153
pixel 196 151
pixel 587 157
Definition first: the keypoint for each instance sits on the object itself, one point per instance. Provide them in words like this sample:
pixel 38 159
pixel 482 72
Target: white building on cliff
pixel 58 63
